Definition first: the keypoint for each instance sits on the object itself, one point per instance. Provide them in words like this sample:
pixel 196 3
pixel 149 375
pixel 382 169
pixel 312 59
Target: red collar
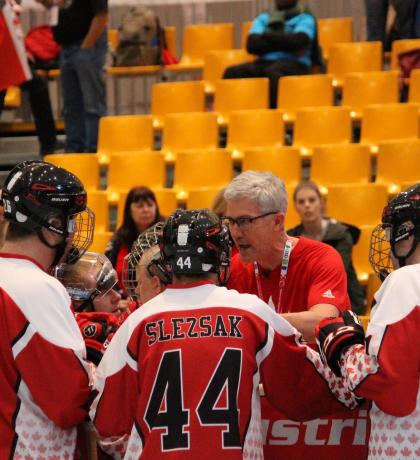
pixel 190 285
pixel 7 255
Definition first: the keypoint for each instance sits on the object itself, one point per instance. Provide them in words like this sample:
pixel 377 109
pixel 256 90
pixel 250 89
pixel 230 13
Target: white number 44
pixel 184 262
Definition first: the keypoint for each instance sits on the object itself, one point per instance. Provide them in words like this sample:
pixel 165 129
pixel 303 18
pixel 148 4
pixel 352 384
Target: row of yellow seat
pixel 258 128
pixel 332 166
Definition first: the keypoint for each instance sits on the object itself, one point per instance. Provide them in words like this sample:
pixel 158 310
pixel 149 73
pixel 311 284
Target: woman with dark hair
pixel 315 225
pixel 141 211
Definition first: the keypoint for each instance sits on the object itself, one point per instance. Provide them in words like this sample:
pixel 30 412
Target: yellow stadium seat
pixel 12 99
pixel 127 170
pixel 304 91
pixel 100 241
pixel 215 63
pixel 353 57
pixel 239 94
pixel 201 168
pixel 246 26
pixel 405 185
pixel 165 197
pixel 98 202
pixel 361 254
pixel 321 125
pixel 254 128
pixel 386 122
pixel 399 46
pixel 170 37
pixel 414 88
pixel 202 197
pixel 198 39
pixel 340 164
pixel 398 162
pixel 364 88
pixel 83 165
pixel 124 133
pixel 332 31
pixel 284 162
pixel 292 217
pixel 113 39
pixel 357 204
pixel 194 130
pixel 176 97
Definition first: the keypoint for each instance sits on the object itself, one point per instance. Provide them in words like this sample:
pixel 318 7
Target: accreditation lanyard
pixel 283 273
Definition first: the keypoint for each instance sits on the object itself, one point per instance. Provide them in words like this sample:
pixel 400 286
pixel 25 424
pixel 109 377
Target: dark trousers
pixel 376 16
pixel 39 99
pixel 273 70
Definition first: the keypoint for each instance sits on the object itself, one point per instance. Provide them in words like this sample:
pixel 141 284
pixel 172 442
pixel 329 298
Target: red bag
pixel 168 58
pixel 409 60
pixel 40 43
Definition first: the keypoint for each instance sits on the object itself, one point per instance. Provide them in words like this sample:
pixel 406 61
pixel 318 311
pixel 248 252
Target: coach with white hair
pixel 302 279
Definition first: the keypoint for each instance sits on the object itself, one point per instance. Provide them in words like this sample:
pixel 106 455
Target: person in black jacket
pixel 309 204
pixel 282 40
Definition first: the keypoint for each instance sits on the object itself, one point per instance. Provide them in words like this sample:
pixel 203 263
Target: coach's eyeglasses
pixel 245 222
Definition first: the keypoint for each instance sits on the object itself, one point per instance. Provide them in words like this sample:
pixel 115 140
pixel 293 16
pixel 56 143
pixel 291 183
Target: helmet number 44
pixel 184 262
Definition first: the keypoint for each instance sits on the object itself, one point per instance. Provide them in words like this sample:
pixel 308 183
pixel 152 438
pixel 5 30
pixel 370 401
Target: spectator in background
pixel 310 206
pixel 81 33
pixel 141 211
pixel 39 99
pixel 282 39
pixel 376 20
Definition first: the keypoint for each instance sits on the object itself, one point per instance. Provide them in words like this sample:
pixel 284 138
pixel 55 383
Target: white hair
pixel 265 189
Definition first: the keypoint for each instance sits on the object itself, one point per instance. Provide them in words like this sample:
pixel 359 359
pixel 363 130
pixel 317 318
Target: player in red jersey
pixel 384 367
pixel 42 349
pixel 304 280
pixel 190 361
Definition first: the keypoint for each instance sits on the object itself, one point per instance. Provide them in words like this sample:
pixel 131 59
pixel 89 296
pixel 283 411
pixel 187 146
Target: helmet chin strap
pixel 402 260
pixel 60 248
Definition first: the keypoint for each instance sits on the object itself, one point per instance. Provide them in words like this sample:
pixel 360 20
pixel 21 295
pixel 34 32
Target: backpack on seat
pixel 141 38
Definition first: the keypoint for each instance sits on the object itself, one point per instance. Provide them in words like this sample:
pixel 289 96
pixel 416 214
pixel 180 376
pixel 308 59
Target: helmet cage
pixel 144 242
pixel 400 221
pixel 380 251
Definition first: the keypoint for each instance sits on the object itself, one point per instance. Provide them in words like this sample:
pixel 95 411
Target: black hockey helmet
pixel 196 242
pixel 36 192
pixel 400 220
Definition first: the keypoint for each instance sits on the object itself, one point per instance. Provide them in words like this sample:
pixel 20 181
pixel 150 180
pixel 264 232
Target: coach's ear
pixel 279 219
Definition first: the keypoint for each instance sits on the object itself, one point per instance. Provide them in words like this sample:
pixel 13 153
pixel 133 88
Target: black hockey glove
pixel 335 335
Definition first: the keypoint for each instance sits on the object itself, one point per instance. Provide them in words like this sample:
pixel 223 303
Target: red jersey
pixel 387 370
pixel 180 377
pixel 43 377
pixel 315 275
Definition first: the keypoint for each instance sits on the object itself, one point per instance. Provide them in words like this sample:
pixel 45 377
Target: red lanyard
pixel 283 273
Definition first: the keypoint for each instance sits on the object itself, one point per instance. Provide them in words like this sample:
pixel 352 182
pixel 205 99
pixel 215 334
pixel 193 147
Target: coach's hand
pixel 335 335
